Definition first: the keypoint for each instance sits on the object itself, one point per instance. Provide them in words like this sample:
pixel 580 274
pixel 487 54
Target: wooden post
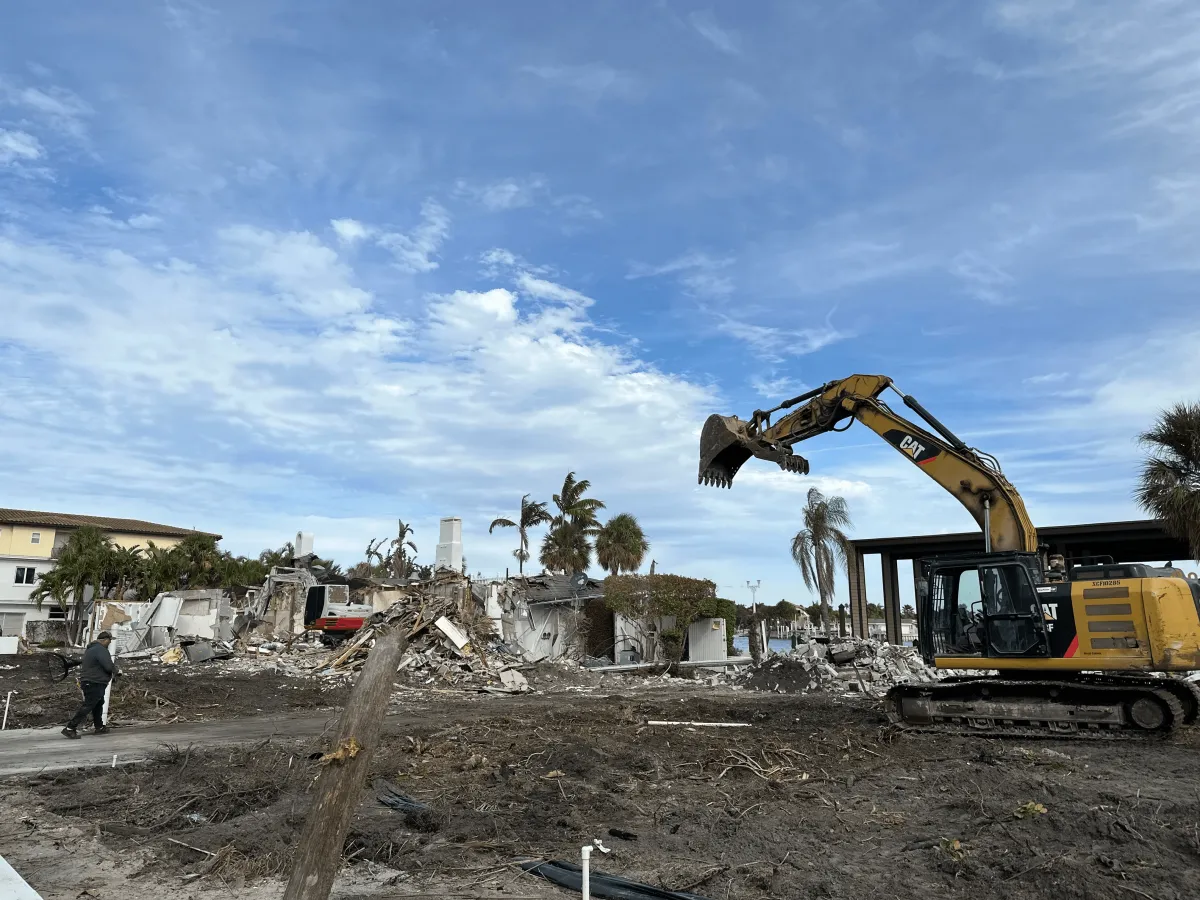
pixel 319 850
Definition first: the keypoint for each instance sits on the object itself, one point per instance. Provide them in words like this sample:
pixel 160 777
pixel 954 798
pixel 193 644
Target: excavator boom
pixel 972 477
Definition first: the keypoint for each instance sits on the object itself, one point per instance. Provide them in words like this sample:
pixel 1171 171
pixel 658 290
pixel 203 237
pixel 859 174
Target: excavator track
pixel 1097 707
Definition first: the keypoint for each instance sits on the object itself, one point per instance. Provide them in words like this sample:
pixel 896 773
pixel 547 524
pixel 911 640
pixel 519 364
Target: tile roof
pixel 68 520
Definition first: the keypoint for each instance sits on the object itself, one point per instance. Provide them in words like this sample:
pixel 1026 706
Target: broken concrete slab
pixel 452 631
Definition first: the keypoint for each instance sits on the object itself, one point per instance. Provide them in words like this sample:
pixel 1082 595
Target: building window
pixel 12 624
pixel 35 538
pixel 26 575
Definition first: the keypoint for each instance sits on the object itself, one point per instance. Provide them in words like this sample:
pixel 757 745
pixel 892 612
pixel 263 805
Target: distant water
pixel 741 644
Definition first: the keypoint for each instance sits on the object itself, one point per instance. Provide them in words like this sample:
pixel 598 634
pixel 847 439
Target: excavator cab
pixel 982 606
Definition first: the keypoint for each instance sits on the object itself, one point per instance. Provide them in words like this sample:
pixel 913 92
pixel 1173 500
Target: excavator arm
pixel 973 477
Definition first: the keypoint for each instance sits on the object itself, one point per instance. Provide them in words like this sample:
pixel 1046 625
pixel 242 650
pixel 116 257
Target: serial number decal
pixel 1105 583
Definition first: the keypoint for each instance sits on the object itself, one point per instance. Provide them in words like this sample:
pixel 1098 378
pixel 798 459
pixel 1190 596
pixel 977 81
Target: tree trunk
pixel 756 647
pixel 319 850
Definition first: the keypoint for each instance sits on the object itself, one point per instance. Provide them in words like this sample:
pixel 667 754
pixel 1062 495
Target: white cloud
pixel 350 231
pixel 414 251
pixel 592 81
pixel 498 258
pixel 465 320
pixel 549 290
pixel 18 146
pixel 301 271
pixel 508 193
pixel 707 27
pixel 59 108
pixel 775 387
pixel 983 280
pixel 698 273
pixel 144 220
pixel 522 193
pixel 270 349
pixel 776 343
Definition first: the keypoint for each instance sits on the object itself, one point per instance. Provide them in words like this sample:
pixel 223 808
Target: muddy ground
pixel 819 798
pixel 151 692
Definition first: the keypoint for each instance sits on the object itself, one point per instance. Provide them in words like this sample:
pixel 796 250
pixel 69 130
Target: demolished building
pixel 171 615
pixel 564 617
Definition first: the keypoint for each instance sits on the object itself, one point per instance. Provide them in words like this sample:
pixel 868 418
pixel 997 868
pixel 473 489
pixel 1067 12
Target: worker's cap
pixel 104 636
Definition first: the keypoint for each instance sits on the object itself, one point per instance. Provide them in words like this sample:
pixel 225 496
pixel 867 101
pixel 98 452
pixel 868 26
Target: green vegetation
pixel 89 559
pixel 621 545
pixel 650 597
pixel 1169 485
pixel 821 546
pixel 533 513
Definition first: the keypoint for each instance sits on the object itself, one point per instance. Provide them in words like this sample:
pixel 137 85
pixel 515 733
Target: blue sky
pixel 268 266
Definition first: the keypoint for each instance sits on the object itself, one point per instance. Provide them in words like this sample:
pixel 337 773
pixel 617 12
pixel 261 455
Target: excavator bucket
pixel 722 450
pixel 726 443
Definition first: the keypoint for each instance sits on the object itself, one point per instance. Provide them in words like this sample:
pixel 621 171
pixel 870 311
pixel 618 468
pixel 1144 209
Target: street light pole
pixel 754 593
pixel 762 626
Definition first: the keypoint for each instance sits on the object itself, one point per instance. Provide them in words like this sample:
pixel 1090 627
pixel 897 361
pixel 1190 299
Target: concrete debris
pixel 441 652
pixel 452 631
pixel 203 651
pixel 846 667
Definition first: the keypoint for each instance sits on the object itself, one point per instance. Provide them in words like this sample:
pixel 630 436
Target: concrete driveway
pixel 31 750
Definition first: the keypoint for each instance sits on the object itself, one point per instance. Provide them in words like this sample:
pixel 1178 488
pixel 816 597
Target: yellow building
pixel 30 540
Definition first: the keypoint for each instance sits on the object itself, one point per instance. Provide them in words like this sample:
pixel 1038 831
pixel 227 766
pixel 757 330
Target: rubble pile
pixel 848 666
pixel 439 651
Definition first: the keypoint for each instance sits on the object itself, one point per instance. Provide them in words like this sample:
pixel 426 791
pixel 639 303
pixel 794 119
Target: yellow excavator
pixel 1087 649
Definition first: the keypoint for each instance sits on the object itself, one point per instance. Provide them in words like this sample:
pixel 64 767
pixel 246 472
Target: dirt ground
pixel 151 692
pixel 818 798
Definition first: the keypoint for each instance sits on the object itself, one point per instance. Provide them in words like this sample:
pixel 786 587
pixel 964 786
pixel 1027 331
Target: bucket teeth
pixel 714 480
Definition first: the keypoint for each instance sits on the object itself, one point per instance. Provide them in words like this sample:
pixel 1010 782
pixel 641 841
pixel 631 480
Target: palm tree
pixel 201 561
pixel 1169 486
pixel 85 559
pixel 243 571
pixel 567 542
pixel 281 557
pixel 621 545
pixel 821 546
pixel 162 570
pixel 402 565
pixel 53 585
pixel 565 548
pixel 125 569
pixel 574 508
pixel 533 514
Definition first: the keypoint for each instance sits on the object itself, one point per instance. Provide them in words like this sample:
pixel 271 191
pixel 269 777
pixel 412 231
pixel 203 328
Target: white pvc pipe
pixel 107 700
pixel 13 885
pixel 7 700
pixel 586 886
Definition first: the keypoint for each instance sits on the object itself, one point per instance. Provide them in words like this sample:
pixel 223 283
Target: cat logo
pixel 920 450
pixel 912 448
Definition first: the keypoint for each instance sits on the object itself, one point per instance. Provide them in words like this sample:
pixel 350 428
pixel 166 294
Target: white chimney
pixel 304 543
pixel 449 548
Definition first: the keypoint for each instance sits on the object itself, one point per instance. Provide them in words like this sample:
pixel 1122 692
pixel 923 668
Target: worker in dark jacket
pixel 95 672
